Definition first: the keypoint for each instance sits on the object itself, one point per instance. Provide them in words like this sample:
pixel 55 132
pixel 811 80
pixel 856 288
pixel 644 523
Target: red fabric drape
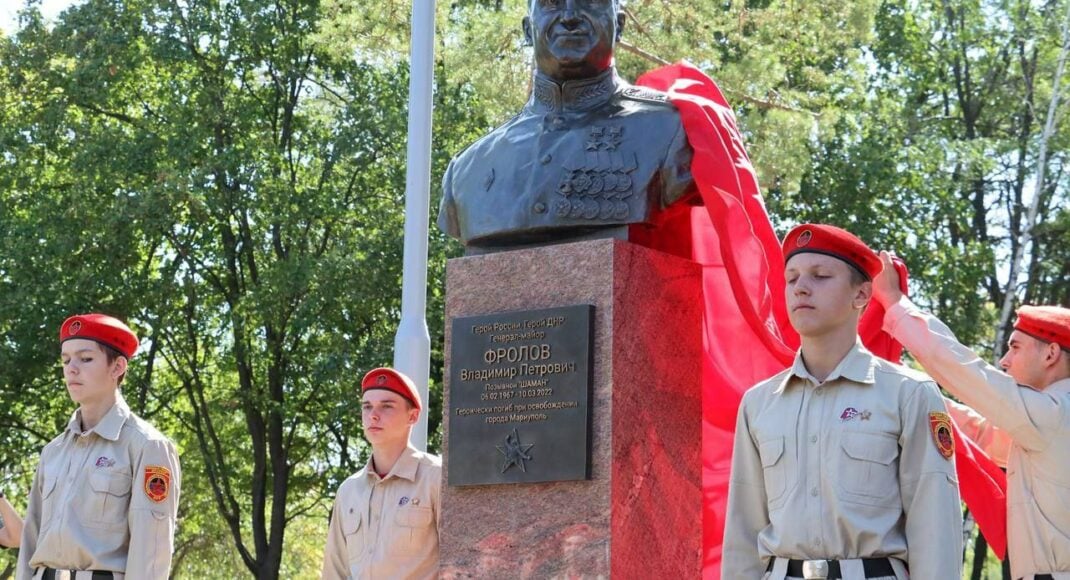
pixel 747 336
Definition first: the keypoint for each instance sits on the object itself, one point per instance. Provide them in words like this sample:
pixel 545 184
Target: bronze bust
pixel 588 155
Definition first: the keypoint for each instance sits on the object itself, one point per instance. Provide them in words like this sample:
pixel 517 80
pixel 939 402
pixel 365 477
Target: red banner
pixel 747 336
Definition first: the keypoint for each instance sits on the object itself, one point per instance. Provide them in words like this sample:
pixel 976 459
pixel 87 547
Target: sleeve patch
pixel 940 425
pixel 157 483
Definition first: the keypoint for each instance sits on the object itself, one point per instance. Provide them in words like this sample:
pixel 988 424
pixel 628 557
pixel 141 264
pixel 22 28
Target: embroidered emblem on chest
pixel 105 462
pixel 403 500
pixel 850 413
pixel 940 425
pixel 157 483
pixel 596 185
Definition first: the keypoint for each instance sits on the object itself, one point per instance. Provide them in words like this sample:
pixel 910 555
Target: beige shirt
pixel 386 527
pixel 991 439
pixel 1038 464
pixel 840 470
pixel 105 499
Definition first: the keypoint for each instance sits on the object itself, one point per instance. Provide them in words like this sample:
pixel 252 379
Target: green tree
pixel 230 179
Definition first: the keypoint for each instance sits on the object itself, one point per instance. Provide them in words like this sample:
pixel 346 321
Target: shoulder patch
pixel 940 424
pixel 157 482
pixel 645 94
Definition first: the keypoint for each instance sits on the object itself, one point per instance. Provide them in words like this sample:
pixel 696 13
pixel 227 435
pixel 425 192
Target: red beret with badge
pixel 391 380
pixel 1046 323
pixel 833 241
pixel 100 328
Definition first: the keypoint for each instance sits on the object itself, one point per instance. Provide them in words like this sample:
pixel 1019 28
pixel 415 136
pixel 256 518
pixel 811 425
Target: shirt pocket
pixel 354 532
pixel 774 470
pixel 48 488
pixel 413 531
pixel 105 502
pixel 869 470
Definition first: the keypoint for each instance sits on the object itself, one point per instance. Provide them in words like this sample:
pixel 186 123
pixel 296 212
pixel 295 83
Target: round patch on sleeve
pixel 157 483
pixel 940 424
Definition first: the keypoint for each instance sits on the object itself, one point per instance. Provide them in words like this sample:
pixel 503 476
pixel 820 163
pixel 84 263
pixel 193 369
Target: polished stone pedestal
pixel 640 513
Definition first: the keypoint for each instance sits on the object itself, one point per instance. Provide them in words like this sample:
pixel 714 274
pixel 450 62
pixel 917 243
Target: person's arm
pixel 30 528
pixel 748 511
pixel 335 555
pixel 1029 417
pixel 929 488
pixel 11 533
pixel 153 511
pixel 995 442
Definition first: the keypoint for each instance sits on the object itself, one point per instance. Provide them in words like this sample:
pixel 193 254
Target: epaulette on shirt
pixel 645 94
pixel 902 370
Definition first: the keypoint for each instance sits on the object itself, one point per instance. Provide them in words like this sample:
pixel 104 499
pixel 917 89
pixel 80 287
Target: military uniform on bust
pixel 583 156
pixel 588 155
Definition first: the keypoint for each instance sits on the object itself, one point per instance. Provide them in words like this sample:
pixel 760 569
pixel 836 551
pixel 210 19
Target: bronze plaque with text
pixel 519 387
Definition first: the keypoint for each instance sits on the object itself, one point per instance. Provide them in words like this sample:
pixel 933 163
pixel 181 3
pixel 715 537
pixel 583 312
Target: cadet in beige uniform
pixel 385 518
pixel 105 496
pixel 843 465
pixel 1029 403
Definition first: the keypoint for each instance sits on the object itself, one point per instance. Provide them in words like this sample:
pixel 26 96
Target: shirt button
pixel 813 439
pixel 540 207
pixel 545 159
pixel 813 491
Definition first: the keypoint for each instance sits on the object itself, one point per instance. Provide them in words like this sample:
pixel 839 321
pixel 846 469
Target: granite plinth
pixel 640 512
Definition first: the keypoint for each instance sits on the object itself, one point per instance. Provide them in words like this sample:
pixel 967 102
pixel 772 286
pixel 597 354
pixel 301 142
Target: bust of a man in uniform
pixel 588 155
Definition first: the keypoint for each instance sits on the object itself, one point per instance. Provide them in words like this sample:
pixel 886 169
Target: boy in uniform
pixel 1023 411
pixel 385 518
pixel 843 464
pixel 104 500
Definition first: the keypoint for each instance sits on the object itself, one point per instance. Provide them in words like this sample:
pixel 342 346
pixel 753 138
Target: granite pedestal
pixel 640 512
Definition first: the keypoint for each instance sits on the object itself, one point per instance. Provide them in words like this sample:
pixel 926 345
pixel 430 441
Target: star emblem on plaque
pixel 515 452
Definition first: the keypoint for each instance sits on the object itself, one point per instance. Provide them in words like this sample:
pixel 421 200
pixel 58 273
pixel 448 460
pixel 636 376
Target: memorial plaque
pixel 519 389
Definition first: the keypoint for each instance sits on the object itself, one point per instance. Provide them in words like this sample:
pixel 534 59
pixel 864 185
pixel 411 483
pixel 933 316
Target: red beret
pixel 100 328
pixel 835 242
pixel 1047 323
pixel 391 380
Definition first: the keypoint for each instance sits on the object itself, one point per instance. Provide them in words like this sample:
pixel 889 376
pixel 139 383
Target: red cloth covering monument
pixel 747 336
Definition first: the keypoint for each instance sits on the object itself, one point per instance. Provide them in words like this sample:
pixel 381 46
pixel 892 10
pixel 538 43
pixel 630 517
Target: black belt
pixel 874 568
pixel 50 574
pixel 1043 577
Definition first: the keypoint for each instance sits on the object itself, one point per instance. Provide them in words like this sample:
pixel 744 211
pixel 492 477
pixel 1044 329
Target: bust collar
pixel 579 95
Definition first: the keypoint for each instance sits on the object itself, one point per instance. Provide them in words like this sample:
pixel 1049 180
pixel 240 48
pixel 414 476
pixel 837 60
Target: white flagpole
pixel 412 343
